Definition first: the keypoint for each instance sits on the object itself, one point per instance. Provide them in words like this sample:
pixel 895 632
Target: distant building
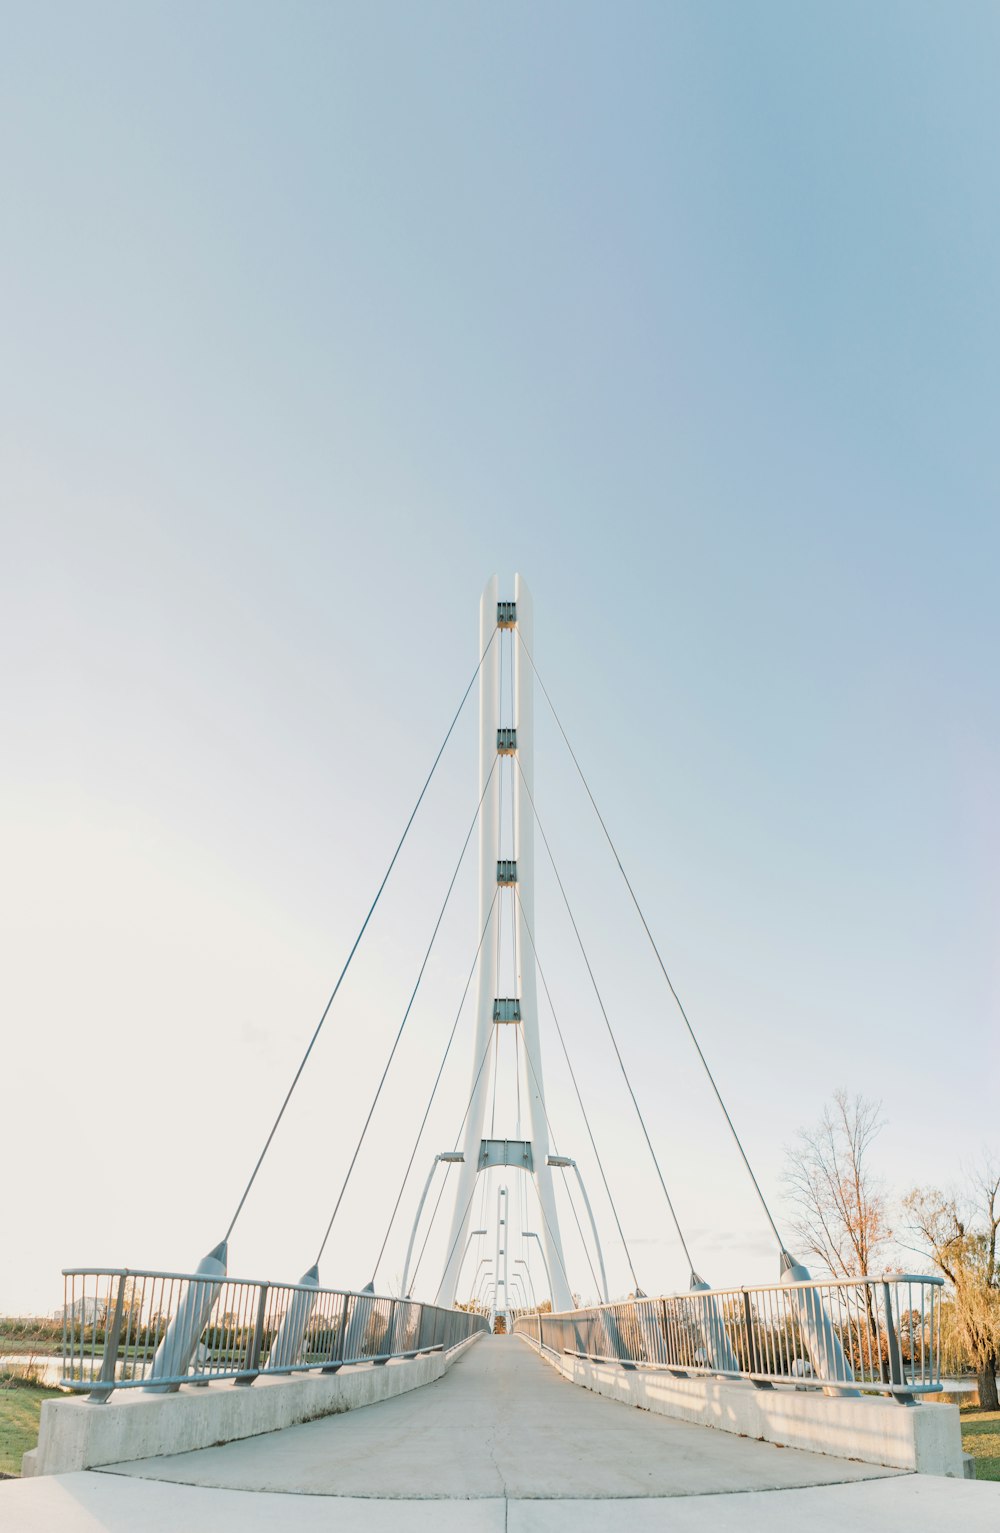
pixel 87 1311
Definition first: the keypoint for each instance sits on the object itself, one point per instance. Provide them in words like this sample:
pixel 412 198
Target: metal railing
pixel 157 1330
pixel 874 1334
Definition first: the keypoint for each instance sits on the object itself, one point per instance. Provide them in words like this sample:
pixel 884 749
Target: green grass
pixel 20 1407
pixel 981 1438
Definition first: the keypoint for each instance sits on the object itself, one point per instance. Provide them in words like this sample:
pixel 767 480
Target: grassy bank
pixel 20 1407
pixel 30 1334
pixel 981 1438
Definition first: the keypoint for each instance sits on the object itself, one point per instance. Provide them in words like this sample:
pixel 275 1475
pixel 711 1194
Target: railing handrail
pixel 209 1277
pixel 748 1288
pixel 878 1333
pixel 129 1327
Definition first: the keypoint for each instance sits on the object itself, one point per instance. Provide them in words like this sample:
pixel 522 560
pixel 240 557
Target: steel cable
pixel 663 968
pixel 406 1014
pixel 611 1033
pixel 433 1093
pixel 461 1130
pixel 555 1146
pixel 579 1096
pixel 357 940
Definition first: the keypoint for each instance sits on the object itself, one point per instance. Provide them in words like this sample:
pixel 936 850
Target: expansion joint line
pixel 652 942
pixel 611 1034
pixel 357 940
pixel 406 1014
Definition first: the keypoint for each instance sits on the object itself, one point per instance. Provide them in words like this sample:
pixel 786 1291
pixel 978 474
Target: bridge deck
pixel 501 1423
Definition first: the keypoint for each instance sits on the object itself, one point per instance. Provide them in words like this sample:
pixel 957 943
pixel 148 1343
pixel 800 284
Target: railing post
pixel 753 1357
pixel 389 1343
pixel 253 1362
pixel 615 1344
pixel 896 1378
pixel 106 1378
pixel 358 1329
pixel 670 1348
pixel 648 1330
pixel 330 1366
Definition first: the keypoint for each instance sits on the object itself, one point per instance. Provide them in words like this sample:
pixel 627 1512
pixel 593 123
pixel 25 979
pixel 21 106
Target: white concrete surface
pixel 924 1438
pixel 95 1502
pixel 912 1504
pixel 92 1502
pixel 502 1444
pixel 75 1434
pixel 501 1424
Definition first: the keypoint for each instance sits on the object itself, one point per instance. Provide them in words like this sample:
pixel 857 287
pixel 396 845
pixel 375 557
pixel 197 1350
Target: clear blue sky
pixel 314 316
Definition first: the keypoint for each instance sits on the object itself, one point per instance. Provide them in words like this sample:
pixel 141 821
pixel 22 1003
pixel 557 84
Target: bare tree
pixel 839 1211
pixel 960 1236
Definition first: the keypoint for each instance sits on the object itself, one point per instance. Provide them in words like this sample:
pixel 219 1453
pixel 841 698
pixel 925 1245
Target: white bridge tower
pixel 498 737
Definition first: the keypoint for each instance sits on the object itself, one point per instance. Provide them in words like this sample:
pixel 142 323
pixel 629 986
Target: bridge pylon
pixel 500 871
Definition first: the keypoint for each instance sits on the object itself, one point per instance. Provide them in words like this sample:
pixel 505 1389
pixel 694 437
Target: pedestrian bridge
pixel 500 1444
pixel 214 1401
pixel 501 1424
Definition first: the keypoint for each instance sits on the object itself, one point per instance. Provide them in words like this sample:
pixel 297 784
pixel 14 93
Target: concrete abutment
pixel 75 1434
pixel 923 1438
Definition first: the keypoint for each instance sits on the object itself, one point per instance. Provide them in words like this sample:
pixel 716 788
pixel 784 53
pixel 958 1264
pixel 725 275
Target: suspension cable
pixel 565 1182
pixel 447 1172
pixel 423 1248
pixel 568 1185
pixel 555 1244
pixel 406 1014
pixel 430 1099
pixel 652 943
pixel 579 1094
pixel 357 940
pixel 611 1034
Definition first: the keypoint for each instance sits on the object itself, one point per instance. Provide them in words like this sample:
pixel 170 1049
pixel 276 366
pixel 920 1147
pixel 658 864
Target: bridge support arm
pixel 180 1343
pixel 287 1343
pixel 564 1160
pixel 416 1224
pixel 593 1230
pixel 520 1261
pixel 450 1156
pixel 712 1325
pixel 818 1335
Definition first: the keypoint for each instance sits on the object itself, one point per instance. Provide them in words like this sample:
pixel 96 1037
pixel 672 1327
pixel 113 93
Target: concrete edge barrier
pixel 925 1439
pixel 73 1434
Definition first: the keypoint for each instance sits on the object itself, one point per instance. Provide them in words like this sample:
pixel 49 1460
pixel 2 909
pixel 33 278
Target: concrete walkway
pixel 501 1444
pixel 106 1503
pixel 501 1423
